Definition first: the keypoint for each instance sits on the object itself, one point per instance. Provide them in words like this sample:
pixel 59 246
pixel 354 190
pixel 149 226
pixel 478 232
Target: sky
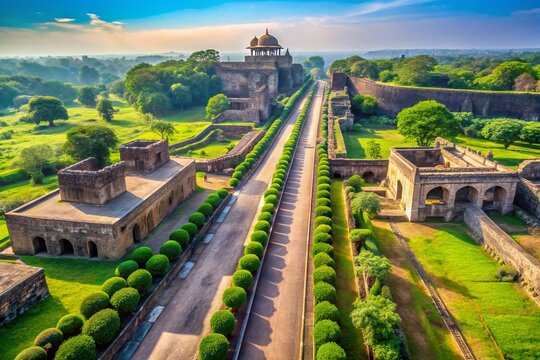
pixel 97 27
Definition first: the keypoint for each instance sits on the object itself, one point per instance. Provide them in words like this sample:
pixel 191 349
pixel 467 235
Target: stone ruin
pixel 339 109
pixel 144 155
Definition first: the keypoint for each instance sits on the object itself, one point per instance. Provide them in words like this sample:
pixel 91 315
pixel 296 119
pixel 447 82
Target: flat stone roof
pixel 13 274
pixel 138 188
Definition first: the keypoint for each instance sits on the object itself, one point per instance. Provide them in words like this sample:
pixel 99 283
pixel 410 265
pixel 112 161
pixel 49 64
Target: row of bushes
pixel 251 158
pixel 215 346
pixel 81 336
pixel 326 331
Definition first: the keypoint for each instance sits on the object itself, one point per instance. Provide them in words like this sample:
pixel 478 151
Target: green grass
pixel 345 283
pixel 509 220
pixel 25 190
pixel 465 276
pixel 212 149
pixel 69 281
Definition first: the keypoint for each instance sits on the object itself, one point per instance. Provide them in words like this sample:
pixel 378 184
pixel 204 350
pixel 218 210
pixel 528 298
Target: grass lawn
pixel 345 283
pixel 26 191
pixel 213 149
pixel 4 237
pixel 464 276
pixel 69 281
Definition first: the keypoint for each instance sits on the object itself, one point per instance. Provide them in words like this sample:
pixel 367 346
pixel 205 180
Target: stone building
pixel 103 212
pixel 252 85
pixel 441 182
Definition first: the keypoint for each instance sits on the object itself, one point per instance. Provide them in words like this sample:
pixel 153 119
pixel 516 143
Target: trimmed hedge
pixel 262 226
pixel 323 228
pixel 103 326
pixel 323 220
pixel 223 322
pixel 191 228
pixel 70 325
pixel 49 339
pixel 323 248
pixel 171 249
pixel 271 192
pixel 323 211
pixel 198 219
pixel 323 194
pixel 326 311
pixel 32 353
pixel 206 208
pixel 326 331
pixel 254 248
pixel 234 297
pixel 234 182
pixel 260 237
pixel 214 199
pixel 125 268
pixel 213 347
pixel 141 255
pixel 323 202
pixel 158 265
pixel 222 193
pixel 323 259
pixel 324 292
pixel 325 274
pixel 125 301
pixel 249 262
pixel 181 236
pixel 323 238
pixel 93 303
pixel 242 278
pixel 80 347
pixel 141 280
pixel 112 285
pixel 265 216
pixel 325 187
pixel 269 208
pixel 271 199
pixel 331 351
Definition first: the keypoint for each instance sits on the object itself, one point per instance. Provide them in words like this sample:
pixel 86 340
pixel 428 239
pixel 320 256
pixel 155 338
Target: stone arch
pixel 66 247
pixel 92 249
pixel 399 190
pixel 437 196
pixel 467 194
pixel 495 199
pixel 40 246
pixel 136 233
pixel 369 177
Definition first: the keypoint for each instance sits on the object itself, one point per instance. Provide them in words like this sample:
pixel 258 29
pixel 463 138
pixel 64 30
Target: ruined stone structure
pixel 81 225
pixel 21 286
pixel 254 84
pixel 339 109
pixel 371 170
pixel 440 182
pixel 528 189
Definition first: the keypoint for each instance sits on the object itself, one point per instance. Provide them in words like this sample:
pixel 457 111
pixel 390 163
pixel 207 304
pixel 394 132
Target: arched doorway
pixel 39 245
pixel 399 190
pixel 437 196
pixel 369 177
pixel 136 233
pixel 466 194
pixel 92 249
pixel 149 221
pixel 66 248
pixel 494 199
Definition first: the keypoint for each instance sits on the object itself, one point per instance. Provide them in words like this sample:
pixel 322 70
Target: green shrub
pixel 191 228
pixel 324 273
pixel 260 237
pixel 275 186
pixel 141 255
pixel 278 181
pixel 331 351
pixel 234 297
pixel 49 339
pixel 249 262
pixel 323 229
pixel 507 273
pixel 125 268
pixel 113 284
pixel 323 220
pixel 158 265
pixel 324 180
pixel 70 325
pixel 125 301
pixel 265 216
pixel 326 331
pixel 233 182
pixel 323 202
pixel 198 219
pixel 237 175
pixel 324 173
pixel 93 303
pixel 242 278
pixel 322 238
pixel 103 326
pixel 214 199
pixel 376 288
pixel 223 322
pixel 206 208
pixel 271 192
pixel 140 279
pixel 359 236
pixel 171 249
pixel 32 353
pixel 181 236
pixel 80 347
pixel 323 194
pixel 323 248
pixel 222 193
pixel 323 211
pixel 269 208
pixel 213 347
pixel 255 248
pixel 324 187
pixel 324 292
pixel 385 292
pixel 262 226
pixel 326 311
pixel 323 259
pixel 356 182
pixel 271 199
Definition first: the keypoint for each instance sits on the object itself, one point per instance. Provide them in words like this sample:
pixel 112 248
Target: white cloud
pixel 95 20
pixel 63 20
pixel 527 12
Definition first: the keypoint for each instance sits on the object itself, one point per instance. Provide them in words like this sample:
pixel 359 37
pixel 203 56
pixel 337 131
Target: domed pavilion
pixel 266 45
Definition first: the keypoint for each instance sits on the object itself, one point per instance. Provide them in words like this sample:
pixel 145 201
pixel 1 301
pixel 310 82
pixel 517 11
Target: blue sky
pixel 62 27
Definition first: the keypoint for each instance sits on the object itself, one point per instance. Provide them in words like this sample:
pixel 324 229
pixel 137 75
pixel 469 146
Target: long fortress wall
pixel 392 99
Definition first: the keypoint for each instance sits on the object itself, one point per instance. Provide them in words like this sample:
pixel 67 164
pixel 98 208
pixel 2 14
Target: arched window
pixel 66 248
pixel 467 194
pixel 136 233
pixel 437 196
pixel 494 199
pixel 92 249
pixel 369 177
pixel 39 245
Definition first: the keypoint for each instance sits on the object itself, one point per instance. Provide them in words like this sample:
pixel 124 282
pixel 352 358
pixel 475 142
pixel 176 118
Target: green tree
pixel 117 88
pixel 88 75
pixel 504 75
pixel 90 141
pixel 87 96
pixel 365 69
pixel 33 158
pixel 46 108
pixel 386 76
pixel 372 265
pixel 216 105
pixel 366 201
pixel 317 73
pixel 503 131
pixel 7 94
pixel 425 121
pixel 155 103
pixel 59 89
pixel 415 70
pixel 105 109
pixel 377 318
pixel 314 62
pixel 162 128
pixel 181 95
pixel 364 104
pixel 531 133
pixel 373 150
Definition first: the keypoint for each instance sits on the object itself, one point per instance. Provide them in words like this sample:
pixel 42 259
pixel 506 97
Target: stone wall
pixel 345 168
pixel 297 71
pixel 338 81
pixel 247 115
pixel 500 244
pixel 392 99
pixel 239 79
pixel 144 155
pixel 530 169
pixel 234 130
pixel 21 286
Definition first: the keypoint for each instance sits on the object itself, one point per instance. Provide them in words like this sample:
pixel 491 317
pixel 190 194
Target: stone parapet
pixel 144 155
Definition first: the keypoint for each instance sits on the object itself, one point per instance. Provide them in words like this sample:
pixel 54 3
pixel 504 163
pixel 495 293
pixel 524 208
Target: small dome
pixel 254 41
pixel 268 40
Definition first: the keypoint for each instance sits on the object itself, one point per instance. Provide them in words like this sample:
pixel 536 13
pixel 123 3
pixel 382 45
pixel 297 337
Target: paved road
pixel 275 324
pixel 185 320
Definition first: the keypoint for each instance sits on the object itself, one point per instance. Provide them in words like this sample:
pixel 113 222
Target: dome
pixel 268 40
pixel 254 41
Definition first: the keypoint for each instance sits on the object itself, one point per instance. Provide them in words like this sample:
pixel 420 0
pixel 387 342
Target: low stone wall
pixel 247 115
pixel 528 196
pixel 144 155
pixel 344 168
pixel 502 246
pixel 227 129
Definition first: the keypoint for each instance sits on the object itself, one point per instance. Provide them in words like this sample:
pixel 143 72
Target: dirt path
pixel 276 320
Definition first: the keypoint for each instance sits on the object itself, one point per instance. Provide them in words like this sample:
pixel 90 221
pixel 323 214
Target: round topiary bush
pixel 323 238
pixel 158 265
pixel 223 322
pixel 234 297
pixel 325 274
pixel 323 248
pixel 331 351
pixel 222 193
pixel 198 219
pixel 181 236
pixel 269 208
pixel 322 259
pixel 323 220
pixel 326 331
pixel 125 301
pixel 242 278
pixel 260 237
pixel 141 255
pixel 323 211
pixel 125 268
pixel 70 325
pixel 324 173
pixel 214 199
pixel 323 202
pixel 206 208
pixel 32 353
pixel 326 311
pixel 324 187
pixel 265 216
pixel 249 262
pixel 233 182
pixel 241 167
pixel 103 326
pixel 262 226
pixel 323 194
pixel 324 229
pixel 271 192
pixel 359 236
pixel 112 285
pixel 271 199
pixel 80 347
pixel 278 181
pixel 213 347
pixel 171 249
pixel 237 175
pixel 140 279
pixel 49 339
pixel 191 228
pixel 323 180
pixel 276 186
pixel 254 248
pixel 324 292
pixel 94 302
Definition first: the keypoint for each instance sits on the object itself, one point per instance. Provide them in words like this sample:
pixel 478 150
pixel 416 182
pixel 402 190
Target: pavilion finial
pixel 266 31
